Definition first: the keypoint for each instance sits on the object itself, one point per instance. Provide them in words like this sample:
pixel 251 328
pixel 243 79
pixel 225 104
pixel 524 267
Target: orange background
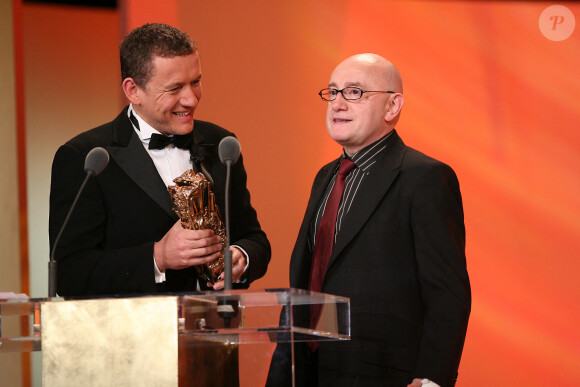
pixel 485 92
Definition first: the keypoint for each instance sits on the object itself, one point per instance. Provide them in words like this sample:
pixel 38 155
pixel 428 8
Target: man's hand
pixel 181 248
pixel 238 265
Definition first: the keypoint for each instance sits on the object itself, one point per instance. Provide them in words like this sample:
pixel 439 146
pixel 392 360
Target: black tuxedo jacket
pixel 107 247
pixel 400 258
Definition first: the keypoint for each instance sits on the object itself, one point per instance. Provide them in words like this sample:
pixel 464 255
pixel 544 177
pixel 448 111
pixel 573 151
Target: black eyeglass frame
pixel 350 87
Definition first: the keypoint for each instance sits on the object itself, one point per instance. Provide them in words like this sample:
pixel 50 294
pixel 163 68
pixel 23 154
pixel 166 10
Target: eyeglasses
pixel 349 93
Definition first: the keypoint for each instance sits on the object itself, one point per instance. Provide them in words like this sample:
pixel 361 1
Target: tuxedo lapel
pixel 128 152
pixel 374 188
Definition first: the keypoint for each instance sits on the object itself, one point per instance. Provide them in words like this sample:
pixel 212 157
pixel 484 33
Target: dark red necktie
pixel 325 237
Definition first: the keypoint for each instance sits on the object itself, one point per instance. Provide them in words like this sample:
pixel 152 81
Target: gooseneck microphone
pixel 229 151
pixel 95 162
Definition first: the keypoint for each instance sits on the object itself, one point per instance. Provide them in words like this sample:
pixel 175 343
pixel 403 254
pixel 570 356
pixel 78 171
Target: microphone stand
pixel 95 161
pixel 228 253
pixel 52 263
pixel 227 306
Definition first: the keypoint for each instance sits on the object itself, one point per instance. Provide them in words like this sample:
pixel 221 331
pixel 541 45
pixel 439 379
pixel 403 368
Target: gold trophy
pixel 202 360
pixel 194 203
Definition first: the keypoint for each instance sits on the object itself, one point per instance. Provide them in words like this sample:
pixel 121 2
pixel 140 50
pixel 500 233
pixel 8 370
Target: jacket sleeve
pixel 439 237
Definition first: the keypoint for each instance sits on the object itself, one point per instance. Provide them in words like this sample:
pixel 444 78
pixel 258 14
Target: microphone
pixel 95 162
pixel 229 151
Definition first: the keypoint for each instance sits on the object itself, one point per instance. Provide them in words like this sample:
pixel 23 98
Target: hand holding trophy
pixel 194 203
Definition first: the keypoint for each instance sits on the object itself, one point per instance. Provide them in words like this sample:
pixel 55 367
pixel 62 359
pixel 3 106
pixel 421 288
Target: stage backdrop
pixel 491 88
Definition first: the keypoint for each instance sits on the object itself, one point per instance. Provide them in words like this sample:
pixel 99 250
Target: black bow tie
pixel 159 141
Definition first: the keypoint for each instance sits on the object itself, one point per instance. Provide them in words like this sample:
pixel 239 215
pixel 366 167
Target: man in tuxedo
pixel 124 237
pixel 394 244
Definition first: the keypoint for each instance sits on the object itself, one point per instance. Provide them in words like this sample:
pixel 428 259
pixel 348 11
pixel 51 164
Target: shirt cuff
pixel 159 276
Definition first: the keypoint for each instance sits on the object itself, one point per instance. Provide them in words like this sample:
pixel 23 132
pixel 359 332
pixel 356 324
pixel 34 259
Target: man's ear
pixel 132 91
pixel 394 107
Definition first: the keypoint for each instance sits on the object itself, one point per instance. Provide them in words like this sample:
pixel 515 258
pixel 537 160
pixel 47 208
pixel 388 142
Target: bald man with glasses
pixel 383 226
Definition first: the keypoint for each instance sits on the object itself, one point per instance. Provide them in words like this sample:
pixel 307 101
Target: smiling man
pixel 384 227
pixel 124 237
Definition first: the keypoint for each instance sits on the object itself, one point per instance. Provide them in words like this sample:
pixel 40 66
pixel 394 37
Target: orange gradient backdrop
pixel 485 92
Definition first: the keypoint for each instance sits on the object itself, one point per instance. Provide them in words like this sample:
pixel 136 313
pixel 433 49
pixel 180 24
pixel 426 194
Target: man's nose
pixel 189 97
pixel 339 103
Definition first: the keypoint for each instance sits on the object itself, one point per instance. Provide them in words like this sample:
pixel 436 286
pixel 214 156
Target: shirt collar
pixel 362 156
pixel 145 130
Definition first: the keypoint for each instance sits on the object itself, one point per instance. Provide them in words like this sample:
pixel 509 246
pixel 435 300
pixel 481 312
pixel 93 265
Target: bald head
pixel 377 67
pixel 356 123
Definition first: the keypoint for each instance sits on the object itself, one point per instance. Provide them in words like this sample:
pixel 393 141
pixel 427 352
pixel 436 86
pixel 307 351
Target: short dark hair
pixel 143 43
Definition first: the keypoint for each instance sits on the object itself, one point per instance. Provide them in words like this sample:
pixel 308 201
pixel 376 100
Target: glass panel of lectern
pixel 186 339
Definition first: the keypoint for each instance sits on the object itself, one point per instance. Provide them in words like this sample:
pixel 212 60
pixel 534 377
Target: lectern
pixel 185 339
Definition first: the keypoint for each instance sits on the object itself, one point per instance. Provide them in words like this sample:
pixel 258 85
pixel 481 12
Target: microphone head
pixel 229 149
pixel 96 160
